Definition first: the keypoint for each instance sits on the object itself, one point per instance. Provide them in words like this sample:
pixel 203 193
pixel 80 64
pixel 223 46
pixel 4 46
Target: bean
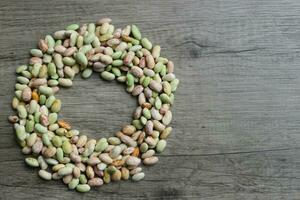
pixel 32 162
pixel 165 134
pixel 116 176
pixel 115 152
pixel 86 73
pixel 65 82
pixel 45 175
pixel 174 85
pixel 81 59
pixel 89 38
pixel 65 171
pixel 167 118
pixel 161 145
pixel 40 129
pixel 150 160
pixel 137 90
pixel 146 43
pixel 128 140
pixel 36 52
pixel 107 76
pixel 103 20
pixel 101 145
pixel 56 106
pixel 132 160
pixel 150 61
pixel 30 140
pixel 135 170
pixel 138 176
pixel 83 188
pixel 106 59
pixel 73 183
pixel 42 163
pixel 13 119
pixel 95 182
pixel 105 158
pixel 136 32
pixel 156 51
pixel 22 111
pixel 156 86
pixel 45 90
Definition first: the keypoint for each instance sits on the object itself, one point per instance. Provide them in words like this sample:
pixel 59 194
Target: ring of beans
pixel 62 152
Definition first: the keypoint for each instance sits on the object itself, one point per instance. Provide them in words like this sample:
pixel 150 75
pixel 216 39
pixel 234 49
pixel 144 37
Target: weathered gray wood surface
pixel 237 114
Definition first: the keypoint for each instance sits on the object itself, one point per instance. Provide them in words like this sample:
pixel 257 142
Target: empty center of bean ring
pixel 61 152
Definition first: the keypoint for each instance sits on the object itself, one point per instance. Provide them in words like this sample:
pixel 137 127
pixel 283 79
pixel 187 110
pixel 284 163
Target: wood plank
pixel 236 114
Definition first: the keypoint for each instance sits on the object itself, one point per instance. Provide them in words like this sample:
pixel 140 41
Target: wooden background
pixel 237 110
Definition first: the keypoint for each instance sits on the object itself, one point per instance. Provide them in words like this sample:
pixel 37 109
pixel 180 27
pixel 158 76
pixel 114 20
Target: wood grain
pixel 237 110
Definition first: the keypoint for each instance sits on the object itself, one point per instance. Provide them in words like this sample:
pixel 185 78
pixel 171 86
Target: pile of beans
pixel 62 152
